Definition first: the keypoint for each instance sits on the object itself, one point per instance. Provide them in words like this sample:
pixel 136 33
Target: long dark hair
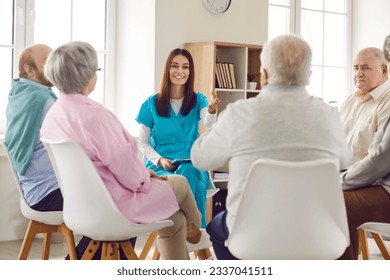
pixel 162 99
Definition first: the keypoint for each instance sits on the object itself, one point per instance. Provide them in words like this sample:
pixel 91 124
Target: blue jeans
pixel 219 233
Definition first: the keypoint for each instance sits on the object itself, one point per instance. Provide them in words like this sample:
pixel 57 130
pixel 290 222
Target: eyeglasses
pixel 98 68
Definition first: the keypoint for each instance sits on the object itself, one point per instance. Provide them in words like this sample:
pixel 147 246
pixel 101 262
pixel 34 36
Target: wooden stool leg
pixel 363 245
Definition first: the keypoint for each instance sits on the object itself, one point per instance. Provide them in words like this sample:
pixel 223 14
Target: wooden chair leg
pixel 93 246
pixel 156 254
pixel 209 209
pixel 35 227
pixel 203 254
pixel 27 241
pixel 69 241
pixel 46 245
pixel 363 244
pixel 148 245
pixel 381 245
pixel 128 250
pixel 110 251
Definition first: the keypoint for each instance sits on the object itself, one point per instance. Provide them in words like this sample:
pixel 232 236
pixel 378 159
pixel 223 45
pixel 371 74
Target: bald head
pixel 32 61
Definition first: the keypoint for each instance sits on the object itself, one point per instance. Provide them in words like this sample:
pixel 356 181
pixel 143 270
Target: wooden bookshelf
pixel 245 59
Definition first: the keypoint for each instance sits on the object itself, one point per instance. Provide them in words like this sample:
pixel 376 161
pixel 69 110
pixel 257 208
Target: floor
pixel 9 249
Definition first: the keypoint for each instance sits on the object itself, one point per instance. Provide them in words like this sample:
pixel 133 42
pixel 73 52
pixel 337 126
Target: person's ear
pixel 385 70
pixel 30 71
pixel 263 77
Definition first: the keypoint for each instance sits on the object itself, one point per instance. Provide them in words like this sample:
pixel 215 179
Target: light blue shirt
pixel 39 178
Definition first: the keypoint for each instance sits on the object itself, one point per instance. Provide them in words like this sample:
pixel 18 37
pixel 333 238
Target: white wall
pixel 134 58
pixel 178 22
pixel 142 48
pixel 370 23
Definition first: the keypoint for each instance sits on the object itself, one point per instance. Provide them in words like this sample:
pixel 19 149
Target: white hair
pixel 287 60
pixel 71 66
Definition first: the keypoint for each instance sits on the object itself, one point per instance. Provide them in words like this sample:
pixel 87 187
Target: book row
pixel 225 77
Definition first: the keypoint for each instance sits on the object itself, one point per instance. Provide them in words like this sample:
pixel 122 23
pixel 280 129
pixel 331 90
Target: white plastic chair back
pixel 50 218
pixel 290 210
pixel 88 206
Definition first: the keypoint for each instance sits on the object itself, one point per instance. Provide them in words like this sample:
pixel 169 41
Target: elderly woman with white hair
pixel 140 195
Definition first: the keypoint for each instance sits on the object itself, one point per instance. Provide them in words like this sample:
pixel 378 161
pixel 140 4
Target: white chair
pixel 88 207
pixel 41 222
pixel 377 230
pixel 290 210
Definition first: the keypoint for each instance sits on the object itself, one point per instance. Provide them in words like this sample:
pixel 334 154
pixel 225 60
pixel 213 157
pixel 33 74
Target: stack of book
pixel 224 73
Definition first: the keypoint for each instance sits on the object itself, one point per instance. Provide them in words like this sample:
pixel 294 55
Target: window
pixel 26 22
pixel 6 55
pixel 324 25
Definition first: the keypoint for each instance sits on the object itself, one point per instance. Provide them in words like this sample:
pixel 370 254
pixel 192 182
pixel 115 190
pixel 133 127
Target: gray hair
pixel 378 53
pixel 287 60
pixel 71 66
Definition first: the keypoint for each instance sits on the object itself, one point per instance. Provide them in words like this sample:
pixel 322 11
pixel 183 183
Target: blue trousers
pixel 219 233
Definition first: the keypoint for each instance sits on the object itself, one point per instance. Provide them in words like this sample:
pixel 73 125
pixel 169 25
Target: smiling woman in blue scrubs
pixel 170 124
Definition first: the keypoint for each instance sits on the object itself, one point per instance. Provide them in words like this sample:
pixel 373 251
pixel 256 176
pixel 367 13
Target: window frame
pixel 23 35
pixel 294 27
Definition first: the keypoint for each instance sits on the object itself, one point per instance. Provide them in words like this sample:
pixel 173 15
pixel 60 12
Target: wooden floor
pixel 9 250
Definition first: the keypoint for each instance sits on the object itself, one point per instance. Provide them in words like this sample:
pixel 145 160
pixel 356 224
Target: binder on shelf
pixel 227 73
pixel 232 75
pixel 218 76
pixel 223 78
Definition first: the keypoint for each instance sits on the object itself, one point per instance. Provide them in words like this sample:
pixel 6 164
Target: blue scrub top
pixel 172 136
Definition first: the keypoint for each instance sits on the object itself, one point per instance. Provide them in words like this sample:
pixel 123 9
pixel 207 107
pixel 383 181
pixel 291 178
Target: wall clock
pixel 217 6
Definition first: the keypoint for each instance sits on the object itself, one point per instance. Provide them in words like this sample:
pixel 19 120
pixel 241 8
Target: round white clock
pixel 217 6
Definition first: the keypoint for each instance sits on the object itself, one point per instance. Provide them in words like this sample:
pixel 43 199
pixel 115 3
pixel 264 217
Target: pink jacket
pixel 113 151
